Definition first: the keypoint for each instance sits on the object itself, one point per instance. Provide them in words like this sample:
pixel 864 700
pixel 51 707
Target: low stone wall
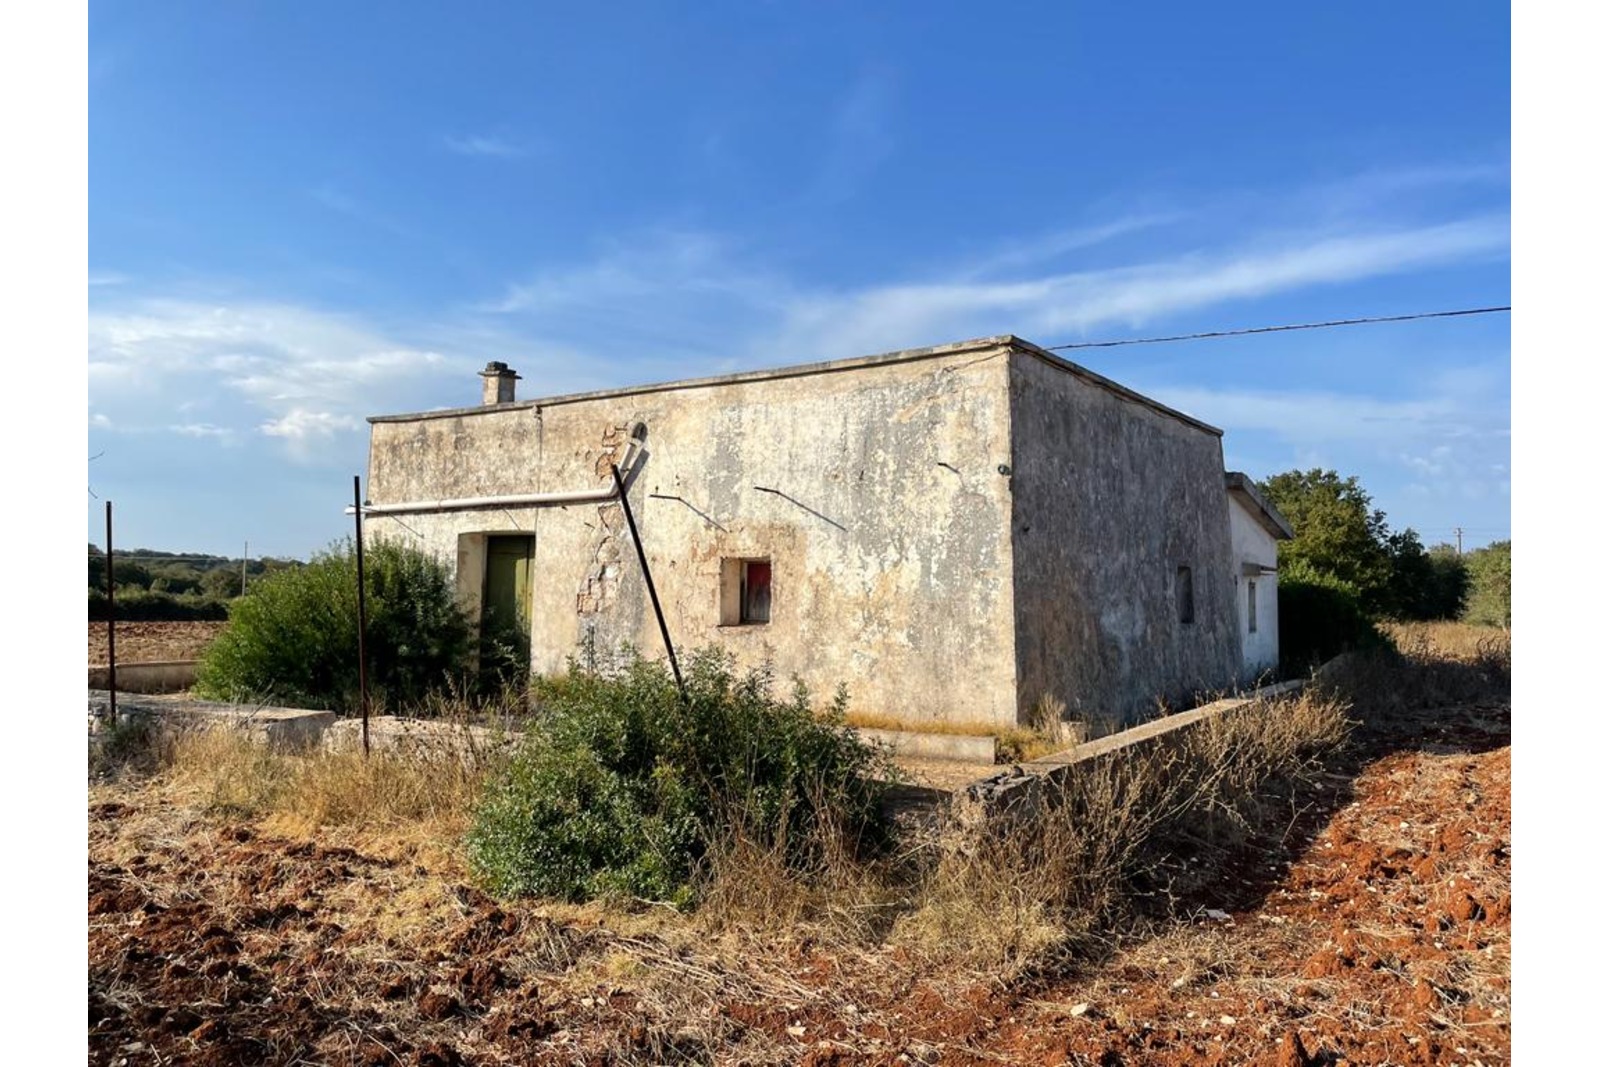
pixel 301 728
pixel 420 738
pixel 153 676
pixel 1020 786
pixel 961 748
pixel 278 728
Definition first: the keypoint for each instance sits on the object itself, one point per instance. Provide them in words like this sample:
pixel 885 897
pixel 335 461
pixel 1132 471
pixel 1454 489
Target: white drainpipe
pixel 517 500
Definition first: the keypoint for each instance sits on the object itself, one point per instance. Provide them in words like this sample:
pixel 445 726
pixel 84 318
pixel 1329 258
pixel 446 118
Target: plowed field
pixel 1375 929
pixel 145 642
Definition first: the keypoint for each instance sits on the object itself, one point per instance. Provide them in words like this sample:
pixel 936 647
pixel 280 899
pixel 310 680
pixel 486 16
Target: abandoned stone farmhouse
pixel 958 533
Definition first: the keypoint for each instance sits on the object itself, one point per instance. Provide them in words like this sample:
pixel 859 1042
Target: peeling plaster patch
pixel 597 591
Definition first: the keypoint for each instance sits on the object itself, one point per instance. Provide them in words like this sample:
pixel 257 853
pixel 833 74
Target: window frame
pixel 736 608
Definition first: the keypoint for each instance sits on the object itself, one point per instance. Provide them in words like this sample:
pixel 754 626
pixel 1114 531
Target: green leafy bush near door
pixel 292 639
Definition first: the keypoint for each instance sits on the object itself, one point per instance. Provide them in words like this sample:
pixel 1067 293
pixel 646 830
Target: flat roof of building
pixel 1257 505
pixel 907 355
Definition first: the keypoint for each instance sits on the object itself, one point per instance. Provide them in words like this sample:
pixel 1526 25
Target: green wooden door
pixel 508 585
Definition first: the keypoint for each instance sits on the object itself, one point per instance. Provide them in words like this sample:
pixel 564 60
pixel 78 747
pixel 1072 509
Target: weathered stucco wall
pixel 1111 497
pixel 1255 559
pixel 888 533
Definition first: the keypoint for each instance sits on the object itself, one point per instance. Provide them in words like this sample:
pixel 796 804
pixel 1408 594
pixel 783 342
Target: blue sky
pixel 300 215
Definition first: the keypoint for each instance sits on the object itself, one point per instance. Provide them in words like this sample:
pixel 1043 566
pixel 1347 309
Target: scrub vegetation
pixel 624 787
pixel 292 639
pixel 1173 900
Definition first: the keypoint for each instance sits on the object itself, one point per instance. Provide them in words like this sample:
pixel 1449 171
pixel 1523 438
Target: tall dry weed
pixel 1115 837
pixel 236 774
pixel 845 893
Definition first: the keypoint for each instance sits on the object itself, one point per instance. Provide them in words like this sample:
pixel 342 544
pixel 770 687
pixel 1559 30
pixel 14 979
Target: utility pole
pixel 1458 540
pixel 111 619
pixel 244 570
pixel 361 625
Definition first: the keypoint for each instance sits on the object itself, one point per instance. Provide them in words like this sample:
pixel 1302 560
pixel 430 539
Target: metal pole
pixel 361 622
pixel 244 571
pixel 644 564
pixel 111 620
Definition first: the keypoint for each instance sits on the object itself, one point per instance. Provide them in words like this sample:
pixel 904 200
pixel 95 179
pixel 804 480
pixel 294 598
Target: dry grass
pixel 1461 640
pixel 1009 894
pixel 317 788
pixel 1436 664
pixel 868 720
pixel 843 898
pixel 1115 834
pixel 848 947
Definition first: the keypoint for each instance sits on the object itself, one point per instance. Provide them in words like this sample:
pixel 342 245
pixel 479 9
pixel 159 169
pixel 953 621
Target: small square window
pixel 746 591
pixel 1185 594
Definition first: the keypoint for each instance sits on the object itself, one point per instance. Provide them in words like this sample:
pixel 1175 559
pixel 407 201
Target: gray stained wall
pixel 906 561
pixel 1111 497
pixel 888 536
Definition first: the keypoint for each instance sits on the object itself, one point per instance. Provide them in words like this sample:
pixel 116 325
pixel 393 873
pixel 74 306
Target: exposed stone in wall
pixel 597 591
pixel 613 443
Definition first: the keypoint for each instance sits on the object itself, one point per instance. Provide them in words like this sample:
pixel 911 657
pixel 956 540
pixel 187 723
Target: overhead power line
pixel 1276 329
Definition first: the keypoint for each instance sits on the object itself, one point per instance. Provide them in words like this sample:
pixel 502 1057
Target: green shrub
pixel 1320 616
pixel 292 639
pixel 622 787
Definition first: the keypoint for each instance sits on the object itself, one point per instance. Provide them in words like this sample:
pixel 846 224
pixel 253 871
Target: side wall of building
pixel 1110 499
pixel 1255 559
pixel 873 492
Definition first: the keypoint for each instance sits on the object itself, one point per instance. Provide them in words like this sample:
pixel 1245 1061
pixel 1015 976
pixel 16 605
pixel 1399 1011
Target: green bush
pixel 622 787
pixel 1320 616
pixel 292 639
pixel 1490 570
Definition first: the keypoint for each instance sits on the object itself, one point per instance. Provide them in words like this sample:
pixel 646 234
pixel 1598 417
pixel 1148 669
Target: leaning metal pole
pixel 361 622
pixel 649 583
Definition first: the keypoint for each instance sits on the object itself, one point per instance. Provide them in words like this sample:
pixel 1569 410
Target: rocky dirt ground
pixel 1373 930
pixel 144 642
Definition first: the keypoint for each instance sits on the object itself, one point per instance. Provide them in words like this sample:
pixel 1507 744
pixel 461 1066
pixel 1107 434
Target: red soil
pixel 1377 931
pixel 146 642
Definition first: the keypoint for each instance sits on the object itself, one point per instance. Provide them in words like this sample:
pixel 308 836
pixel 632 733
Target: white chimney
pixel 499 384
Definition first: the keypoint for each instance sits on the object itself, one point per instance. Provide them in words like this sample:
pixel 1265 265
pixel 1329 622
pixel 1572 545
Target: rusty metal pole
pixel 649 583
pixel 111 621
pixel 361 622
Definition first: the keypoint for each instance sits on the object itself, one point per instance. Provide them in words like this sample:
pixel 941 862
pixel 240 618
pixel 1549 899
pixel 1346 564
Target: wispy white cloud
pixel 202 429
pixel 1382 188
pixel 282 371
pixel 99 278
pixel 693 278
pixel 302 427
pixel 1062 306
pixel 1447 437
pixel 1018 256
pixel 486 145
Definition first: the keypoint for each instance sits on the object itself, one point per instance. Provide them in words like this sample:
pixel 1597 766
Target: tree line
pixel 1346 567
pixel 155 585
